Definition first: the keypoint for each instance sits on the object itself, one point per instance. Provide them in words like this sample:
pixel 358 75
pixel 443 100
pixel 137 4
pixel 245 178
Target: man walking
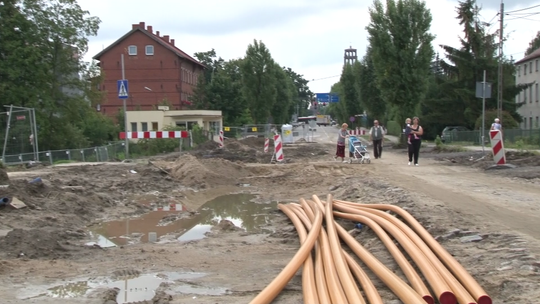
pixel 376 135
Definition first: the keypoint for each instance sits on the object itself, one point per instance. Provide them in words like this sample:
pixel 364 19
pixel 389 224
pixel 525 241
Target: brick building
pixel 156 69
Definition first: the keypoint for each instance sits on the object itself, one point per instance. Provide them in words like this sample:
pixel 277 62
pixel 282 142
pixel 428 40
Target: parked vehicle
pixel 450 132
pixel 324 120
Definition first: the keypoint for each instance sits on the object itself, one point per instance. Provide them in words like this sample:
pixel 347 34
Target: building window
pixel 525 95
pixel 530 95
pixel 519 70
pixel 525 123
pixel 536 89
pixel 536 125
pixel 133 127
pixel 537 65
pixel 530 123
pixel 154 126
pixel 525 69
pixel 144 126
pixel 132 50
pixel 149 50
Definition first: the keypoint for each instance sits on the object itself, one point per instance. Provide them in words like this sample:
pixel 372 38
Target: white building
pixel 528 71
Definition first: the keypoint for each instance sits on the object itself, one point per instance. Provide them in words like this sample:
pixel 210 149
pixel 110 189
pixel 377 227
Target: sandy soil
pixel 46 257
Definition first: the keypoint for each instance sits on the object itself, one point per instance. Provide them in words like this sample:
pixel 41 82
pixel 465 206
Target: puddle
pixel 131 289
pixel 100 240
pixel 166 220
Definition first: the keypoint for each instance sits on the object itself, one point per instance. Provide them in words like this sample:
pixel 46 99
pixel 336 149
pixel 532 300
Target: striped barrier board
pixel 497 146
pixel 278 148
pixel 154 134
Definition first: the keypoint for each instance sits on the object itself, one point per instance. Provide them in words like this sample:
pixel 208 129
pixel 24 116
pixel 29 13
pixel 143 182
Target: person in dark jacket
pixel 416 141
pixel 376 135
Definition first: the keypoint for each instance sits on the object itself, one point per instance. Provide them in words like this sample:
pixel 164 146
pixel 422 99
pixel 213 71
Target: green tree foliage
pixel 401 52
pixel 43 42
pixel 338 110
pixel 370 94
pixel 258 75
pixel 253 89
pixel 349 97
pixel 452 99
pixel 534 44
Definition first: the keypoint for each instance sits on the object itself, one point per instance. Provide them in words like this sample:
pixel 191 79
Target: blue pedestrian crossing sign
pixel 123 89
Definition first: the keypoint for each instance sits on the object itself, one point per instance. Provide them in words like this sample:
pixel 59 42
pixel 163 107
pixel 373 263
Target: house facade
pixel 528 72
pixel 158 72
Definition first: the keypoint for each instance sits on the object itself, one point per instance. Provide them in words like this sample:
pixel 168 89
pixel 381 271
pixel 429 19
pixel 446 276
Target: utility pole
pixel 500 80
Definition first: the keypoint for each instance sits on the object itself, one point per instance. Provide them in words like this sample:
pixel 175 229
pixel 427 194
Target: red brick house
pixel 156 69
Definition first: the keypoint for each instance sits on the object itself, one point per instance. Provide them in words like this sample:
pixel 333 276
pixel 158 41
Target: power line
pixel 325 78
pixel 523 9
pixel 524 18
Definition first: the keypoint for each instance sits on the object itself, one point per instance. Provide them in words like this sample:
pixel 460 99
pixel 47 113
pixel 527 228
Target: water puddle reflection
pixel 167 220
pixel 131 289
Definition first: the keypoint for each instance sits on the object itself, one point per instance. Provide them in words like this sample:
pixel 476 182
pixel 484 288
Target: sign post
pixel 123 93
pixel 483 90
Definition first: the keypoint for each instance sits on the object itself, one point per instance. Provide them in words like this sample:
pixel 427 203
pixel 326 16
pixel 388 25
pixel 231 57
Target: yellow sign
pixel 254 129
pixel 226 129
pixel 287 132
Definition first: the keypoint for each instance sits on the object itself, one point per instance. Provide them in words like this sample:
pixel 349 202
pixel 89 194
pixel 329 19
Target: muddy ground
pixel 52 251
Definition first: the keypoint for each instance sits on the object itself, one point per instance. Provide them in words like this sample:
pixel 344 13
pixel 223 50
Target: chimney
pixel 149 28
pixel 166 38
pixel 157 33
pixel 141 25
pixel 172 42
pixel 134 26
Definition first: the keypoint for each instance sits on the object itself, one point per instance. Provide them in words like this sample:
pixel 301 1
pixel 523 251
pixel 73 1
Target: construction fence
pixel 114 151
pixel 526 136
pixel 302 131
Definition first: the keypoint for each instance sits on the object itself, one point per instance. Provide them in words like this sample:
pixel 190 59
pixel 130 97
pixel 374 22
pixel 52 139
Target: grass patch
pixel 63 161
pixel 449 149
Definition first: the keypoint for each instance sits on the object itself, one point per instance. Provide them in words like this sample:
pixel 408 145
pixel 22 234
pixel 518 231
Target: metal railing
pixel 112 151
pixel 528 136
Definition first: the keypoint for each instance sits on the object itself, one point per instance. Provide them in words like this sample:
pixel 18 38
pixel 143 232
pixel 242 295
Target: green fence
pixel 529 136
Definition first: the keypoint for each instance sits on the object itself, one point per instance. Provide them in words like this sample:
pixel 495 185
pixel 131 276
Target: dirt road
pixel 216 248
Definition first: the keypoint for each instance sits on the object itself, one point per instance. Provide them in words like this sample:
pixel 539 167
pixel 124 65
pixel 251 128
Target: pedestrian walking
pixel 342 135
pixel 407 130
pixel 376 135
pixel 416 141
pixel 496 125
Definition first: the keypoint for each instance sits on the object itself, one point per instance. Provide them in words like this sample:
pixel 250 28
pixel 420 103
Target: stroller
pixel 357 152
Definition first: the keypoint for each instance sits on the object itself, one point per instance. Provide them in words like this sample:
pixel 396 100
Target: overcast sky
pixel 309 36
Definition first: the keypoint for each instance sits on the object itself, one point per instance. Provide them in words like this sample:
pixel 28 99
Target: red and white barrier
pixel 170 207
pixel 266 144
pixel 497 146
pixel 221 139
pixel 357 132
pixel 278 148
pixel 154 134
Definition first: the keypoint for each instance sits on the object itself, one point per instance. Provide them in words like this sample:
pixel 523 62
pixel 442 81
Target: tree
pixel 349 98
pixel 303 93
pixel 286 94
pixel 370 94
pixel 401 49
pixel 453 99
pixel 534 44
pixel 259 81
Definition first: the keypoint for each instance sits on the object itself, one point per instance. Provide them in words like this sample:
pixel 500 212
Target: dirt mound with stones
pixel 37 244
pixel 196 173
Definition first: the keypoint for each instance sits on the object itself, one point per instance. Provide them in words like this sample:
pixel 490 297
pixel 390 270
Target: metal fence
pixel 304 131
pixel 112 151
pixel 17 129
pixel 528 136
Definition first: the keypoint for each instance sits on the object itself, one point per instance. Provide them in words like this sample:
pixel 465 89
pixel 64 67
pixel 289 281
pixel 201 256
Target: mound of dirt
pixel 4 178
pixel 35 244
pixel 197 173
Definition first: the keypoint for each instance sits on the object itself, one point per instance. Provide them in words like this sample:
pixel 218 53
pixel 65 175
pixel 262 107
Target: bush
pixel 394 128
pixel 438 141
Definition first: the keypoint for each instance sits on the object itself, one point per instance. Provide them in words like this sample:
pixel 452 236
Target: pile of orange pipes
pixel 332 275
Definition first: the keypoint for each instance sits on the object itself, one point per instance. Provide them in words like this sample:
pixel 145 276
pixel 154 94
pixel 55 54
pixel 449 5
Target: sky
pixel 309 36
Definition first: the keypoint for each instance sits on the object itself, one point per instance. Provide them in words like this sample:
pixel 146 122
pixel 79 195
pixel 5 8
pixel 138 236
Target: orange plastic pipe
pixel 272 290
pixel 401 289
pixel 369 289
pixel 461 273
pixel 345 277
pixel 335 290
pixel 411 274
pixel 320 277
pixel 309 289
pixel 459 292
pixel 435 280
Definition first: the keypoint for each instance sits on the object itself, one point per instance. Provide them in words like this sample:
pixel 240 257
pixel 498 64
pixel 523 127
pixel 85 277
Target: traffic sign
pixel 327 97
pixel 123 89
